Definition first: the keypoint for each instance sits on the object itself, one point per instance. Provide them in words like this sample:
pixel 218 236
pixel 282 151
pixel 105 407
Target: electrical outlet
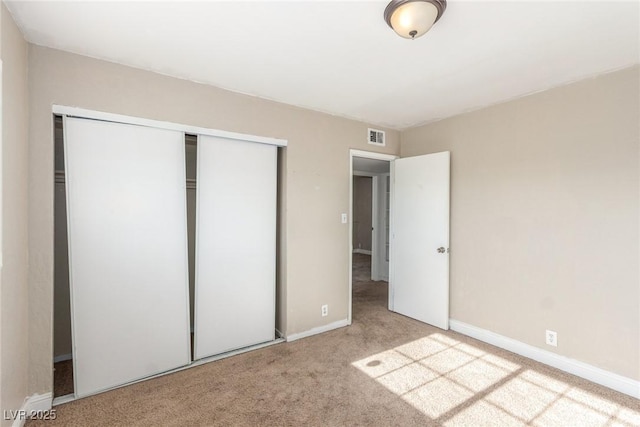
pixel 552 338
pixel 325 310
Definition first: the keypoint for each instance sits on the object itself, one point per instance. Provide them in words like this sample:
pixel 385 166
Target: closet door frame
pixel 62 110
pixel 68 111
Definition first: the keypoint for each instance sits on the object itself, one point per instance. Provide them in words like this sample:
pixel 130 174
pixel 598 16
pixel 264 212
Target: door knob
pixel 441 250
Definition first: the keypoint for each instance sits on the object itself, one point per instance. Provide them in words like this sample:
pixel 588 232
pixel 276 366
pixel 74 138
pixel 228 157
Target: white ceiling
pixel 340 57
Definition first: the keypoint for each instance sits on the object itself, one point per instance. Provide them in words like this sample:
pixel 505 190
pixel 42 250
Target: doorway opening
pixel 362 226
pixel 369 246
pixel 418 237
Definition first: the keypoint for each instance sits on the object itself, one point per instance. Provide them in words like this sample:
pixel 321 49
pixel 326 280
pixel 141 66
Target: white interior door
pixel 419 263
pixel 235 245
pixel 127 227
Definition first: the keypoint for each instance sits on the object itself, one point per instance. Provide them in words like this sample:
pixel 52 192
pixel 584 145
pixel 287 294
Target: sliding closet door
pixel 236 242
pixel 128 252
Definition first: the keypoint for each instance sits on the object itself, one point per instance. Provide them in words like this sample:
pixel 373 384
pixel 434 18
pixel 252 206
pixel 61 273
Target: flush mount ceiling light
pixel 412 18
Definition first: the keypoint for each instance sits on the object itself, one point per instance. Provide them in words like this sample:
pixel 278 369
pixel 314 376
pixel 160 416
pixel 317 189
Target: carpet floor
pixel 63 378
pixel 385 369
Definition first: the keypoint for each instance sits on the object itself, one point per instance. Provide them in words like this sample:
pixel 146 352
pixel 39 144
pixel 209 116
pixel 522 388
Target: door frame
pixel 367 155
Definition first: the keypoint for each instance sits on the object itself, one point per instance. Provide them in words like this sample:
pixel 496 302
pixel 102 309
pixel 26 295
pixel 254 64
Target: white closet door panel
pixel 128 252
pixel 236 241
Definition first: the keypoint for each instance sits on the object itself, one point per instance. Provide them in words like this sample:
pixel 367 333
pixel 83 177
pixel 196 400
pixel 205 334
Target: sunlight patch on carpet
pixel 457 383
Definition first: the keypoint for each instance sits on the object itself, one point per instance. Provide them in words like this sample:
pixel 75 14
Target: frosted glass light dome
pixel 412 18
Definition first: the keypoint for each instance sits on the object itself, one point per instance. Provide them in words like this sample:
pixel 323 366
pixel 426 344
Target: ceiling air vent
pixel 376 137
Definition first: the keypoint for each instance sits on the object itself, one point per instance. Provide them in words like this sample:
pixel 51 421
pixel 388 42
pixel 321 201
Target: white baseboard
pixel 63 399
pixel 32 404
pixel 39 402
pixel 62 357
pixel 584 370
pixel 318 330
pixel 362 251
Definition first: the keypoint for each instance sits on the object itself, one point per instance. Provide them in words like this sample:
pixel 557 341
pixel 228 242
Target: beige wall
pixel 2 406
pixel 14 276
pixel 315 179
pixel 362 199
pixel 544 217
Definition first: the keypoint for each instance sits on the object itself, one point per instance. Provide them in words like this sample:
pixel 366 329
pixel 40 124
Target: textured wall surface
pixel 14 351
pixel 544 217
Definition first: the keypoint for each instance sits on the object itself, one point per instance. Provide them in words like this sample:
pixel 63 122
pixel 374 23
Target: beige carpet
pixel 385 369
pixel 63 378
pixel 361 268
